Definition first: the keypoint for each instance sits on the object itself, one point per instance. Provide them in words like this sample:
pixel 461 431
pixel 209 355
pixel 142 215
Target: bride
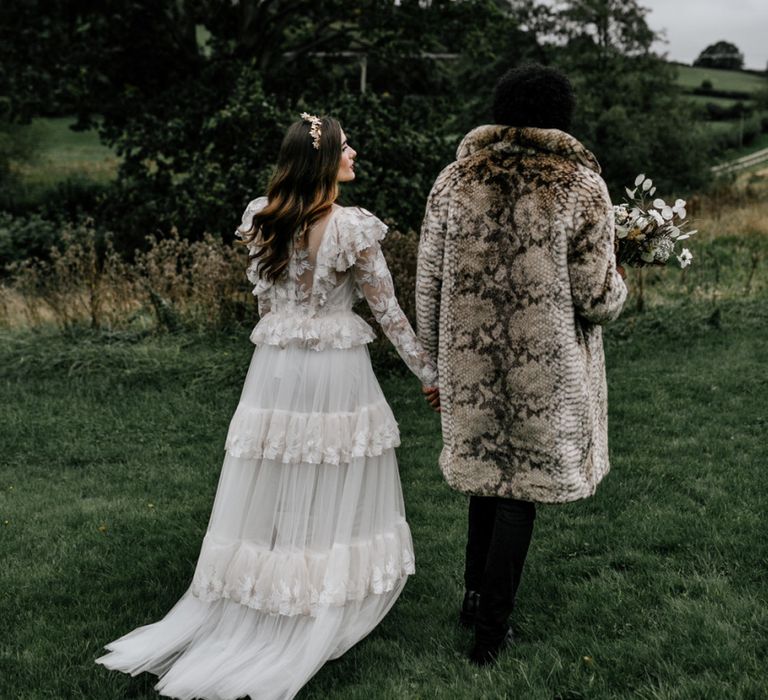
pixel 307 547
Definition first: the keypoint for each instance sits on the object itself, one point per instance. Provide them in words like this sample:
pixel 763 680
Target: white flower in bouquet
pixel 664 248
pixel 685 257
pixel 658 218
pixel 622 213
pixel 647 232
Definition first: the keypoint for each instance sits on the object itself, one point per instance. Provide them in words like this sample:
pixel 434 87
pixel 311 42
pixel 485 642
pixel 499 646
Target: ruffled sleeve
pixel 358 248
pixel 350 231
pixel 356 230
pixel 253 208
pixel 252 272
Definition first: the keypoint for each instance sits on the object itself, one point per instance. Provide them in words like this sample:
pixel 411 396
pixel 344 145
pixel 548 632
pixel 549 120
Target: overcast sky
pixel 692 25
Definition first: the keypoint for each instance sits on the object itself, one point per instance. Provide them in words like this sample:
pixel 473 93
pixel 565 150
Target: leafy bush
pixel 23 237
pixel 740 135
pixel 74 198
pixel 631 115
pixel 204 169
pixel 402 146
pixel 717 112
pixel 30 227
pixel 662 143
pixel 17 143
pixel 751 131
pixel 197 166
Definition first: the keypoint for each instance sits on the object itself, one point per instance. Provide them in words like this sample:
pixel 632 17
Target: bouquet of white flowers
pixel 648 231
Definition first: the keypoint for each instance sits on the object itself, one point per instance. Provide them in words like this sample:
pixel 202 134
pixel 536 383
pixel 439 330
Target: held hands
pixel 432 395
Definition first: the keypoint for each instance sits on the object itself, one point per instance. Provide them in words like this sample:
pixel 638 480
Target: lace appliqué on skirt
pixel 300 583
pixel 312 438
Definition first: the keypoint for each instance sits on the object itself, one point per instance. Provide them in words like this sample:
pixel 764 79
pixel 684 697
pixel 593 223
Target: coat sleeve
pixel 597 290
pixel 429 268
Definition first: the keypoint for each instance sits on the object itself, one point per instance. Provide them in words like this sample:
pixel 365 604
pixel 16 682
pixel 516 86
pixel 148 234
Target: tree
pixel 721 55
pixel 628 108
pixel 195 94
pixel 613 27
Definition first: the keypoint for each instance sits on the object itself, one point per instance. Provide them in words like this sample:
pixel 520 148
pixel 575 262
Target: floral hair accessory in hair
pixel 314 128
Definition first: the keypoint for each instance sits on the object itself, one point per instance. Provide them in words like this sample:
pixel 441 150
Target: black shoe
pixel 469 609
pixel 483 654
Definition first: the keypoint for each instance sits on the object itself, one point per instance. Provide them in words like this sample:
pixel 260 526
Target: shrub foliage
pixel 195 97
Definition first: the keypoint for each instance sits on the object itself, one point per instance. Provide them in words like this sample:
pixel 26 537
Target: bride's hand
pixel 432 394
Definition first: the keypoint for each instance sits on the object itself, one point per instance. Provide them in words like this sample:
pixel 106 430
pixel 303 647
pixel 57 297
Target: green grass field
pixel 64 153
pixel 653 589
pixel 690 77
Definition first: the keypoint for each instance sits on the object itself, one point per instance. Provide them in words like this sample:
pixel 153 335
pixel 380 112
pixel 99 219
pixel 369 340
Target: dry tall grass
pixel 176 284
pixel 730 251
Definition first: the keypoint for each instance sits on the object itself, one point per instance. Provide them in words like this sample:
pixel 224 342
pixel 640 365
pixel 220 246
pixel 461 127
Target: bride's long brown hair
pixel 302 190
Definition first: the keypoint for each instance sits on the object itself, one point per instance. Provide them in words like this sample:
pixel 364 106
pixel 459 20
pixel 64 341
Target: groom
pixel 516 274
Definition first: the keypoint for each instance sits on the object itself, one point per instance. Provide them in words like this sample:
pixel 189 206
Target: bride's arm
pixel 375 282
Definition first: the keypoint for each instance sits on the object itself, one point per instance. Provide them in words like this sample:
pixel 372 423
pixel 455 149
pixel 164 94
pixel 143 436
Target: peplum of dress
pixel 307 547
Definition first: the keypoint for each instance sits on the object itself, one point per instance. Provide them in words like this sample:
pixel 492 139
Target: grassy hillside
pixel 690 77
pixel 734 130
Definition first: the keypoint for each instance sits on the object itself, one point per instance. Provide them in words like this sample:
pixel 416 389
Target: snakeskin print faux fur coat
pixel 516 272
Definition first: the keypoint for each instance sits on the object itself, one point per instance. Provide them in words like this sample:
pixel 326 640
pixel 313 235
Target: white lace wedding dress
pixel 307 546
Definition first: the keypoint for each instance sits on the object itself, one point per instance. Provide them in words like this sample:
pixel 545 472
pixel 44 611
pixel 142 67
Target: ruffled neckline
pixel 349 231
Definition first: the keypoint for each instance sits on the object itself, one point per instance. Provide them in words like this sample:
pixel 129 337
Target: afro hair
pixel 532 95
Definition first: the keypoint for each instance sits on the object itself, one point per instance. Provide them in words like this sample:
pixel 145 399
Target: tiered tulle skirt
pixel 307 546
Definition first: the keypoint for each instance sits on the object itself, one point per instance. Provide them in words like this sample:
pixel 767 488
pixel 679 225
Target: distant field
pixel 722 101
pixel 690 77
pixel 64 153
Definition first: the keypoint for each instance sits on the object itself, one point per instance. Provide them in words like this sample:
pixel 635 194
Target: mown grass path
pixel 655 588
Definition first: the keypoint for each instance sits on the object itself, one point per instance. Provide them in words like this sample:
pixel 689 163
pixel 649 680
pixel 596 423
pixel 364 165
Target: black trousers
pixel 499 533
